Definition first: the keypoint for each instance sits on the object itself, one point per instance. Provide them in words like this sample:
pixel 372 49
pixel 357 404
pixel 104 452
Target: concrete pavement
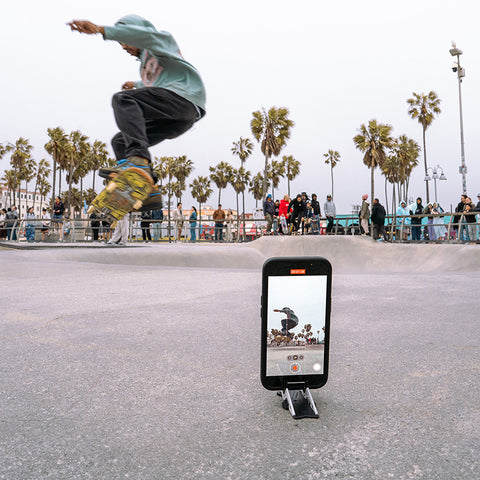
pixel 144 363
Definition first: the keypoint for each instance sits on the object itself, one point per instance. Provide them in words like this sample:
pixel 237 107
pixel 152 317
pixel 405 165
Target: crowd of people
pixel 298 216
pixel 301 215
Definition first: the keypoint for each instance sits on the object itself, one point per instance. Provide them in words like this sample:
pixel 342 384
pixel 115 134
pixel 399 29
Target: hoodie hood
pixel 135 20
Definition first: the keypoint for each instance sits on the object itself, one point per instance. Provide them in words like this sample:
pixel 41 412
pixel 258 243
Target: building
pixel 27 199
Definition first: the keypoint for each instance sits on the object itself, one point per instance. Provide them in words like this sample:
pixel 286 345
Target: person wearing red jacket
pixel 283 214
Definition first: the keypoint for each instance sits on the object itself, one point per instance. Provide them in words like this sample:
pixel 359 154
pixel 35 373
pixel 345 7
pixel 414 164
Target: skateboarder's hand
pixel 84 26
pixel 128 86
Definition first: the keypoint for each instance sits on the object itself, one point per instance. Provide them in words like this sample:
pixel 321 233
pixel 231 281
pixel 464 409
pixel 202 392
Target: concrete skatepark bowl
pixel 143 363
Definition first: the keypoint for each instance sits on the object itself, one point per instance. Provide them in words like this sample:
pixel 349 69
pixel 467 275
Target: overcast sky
pixel 334 65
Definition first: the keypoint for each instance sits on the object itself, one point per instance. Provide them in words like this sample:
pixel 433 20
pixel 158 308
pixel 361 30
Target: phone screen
pixel 296 316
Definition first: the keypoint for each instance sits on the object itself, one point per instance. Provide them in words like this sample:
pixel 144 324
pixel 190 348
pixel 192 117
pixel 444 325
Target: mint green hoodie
pixel 162 64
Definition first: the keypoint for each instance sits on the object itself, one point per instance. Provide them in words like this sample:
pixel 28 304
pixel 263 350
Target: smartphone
pixel 296 302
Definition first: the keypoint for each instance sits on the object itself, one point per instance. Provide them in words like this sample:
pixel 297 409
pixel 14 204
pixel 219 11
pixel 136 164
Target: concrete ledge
pixel 349 254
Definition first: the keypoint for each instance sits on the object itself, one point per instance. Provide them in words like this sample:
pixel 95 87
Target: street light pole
pixel 456 52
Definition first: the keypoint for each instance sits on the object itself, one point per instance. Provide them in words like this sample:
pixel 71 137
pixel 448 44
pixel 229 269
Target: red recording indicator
pixel 297 271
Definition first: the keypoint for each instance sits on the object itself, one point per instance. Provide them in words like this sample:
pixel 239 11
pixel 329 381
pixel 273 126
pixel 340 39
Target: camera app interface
pixel 296 324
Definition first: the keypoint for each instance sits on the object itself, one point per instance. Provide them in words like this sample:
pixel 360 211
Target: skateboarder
pixel 291 321
pixel 165 103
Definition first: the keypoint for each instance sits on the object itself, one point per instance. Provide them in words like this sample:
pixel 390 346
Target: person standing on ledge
pixel 164 104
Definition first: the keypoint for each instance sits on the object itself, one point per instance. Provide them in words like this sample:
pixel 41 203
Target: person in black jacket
pixel 145 226
pixel 299 209
pixel 417 221
pixel 378 219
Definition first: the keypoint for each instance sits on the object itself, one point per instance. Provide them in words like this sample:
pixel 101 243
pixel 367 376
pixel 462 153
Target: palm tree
pixel 243 149
pixel 89 195
pixel 275 173
pixel 160 169
pixel 11 182
pixel 256 187
pixel 43 189
pixel 57 147
pixel 424 108
pixel 373 141
pixel 98 157
pixel 78 155
pixel 272 129
pixel 239 179
pixel 21 153
pixel 201 192
pixel 220 175
pixel 183 168
pixel 407 151
pixel 27 173
pixel 170 187
pixel 4 149
pixel 72 200
pixel 43 172
pixel 332 157
pixel 292 169
pixel 390 170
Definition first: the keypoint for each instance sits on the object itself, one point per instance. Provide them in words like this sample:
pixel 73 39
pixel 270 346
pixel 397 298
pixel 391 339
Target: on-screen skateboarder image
pixel 289 322
pixel 164 104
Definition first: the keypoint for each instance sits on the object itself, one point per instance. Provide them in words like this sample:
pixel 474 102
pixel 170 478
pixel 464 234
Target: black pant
pixel 147 116
pixel 146 231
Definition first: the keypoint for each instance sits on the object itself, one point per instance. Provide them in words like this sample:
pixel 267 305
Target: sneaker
pixel 153 202
pixel 134 161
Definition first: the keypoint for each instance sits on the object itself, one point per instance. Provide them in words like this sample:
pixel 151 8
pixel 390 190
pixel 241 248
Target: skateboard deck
pixel 125 192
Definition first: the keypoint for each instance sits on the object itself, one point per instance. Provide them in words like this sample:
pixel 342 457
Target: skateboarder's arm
pixel 85 26
pixel 161 44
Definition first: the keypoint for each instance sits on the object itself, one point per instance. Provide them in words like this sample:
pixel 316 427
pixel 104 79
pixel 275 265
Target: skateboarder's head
pixel 138 21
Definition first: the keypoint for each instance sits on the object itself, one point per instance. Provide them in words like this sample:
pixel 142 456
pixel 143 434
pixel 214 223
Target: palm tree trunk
pixel 386 195
pixel 199 220
pixel 288 187
pixel 265 179
pixel 371 183
pixel 94 175
pixel 331 174
pixel 243 215
pixel 54 179
pixel 425 162
pixel 238 221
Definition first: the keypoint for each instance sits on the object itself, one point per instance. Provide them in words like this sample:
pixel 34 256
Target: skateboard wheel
pixel 111 187
pixel 137 204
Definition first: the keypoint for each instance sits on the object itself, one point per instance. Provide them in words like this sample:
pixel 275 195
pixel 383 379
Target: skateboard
pixel 125 192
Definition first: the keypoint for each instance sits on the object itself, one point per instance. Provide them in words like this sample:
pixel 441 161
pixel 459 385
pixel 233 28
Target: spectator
pixel 365 215
pixel 330 213
pixel 58 210
pixel 417 221
pixel 438 223
pixel 157 217
pixel 145 226
pixel 66 230
pixel 45 223
pixel 316 214
pixel 299 209
pixel 430 229
pixel 3 230
pixel 95 225
pixel 283 214
pixel 11 218
pixel 276 226
pixel 269 212
pixel 378 220
pixel 470 220
pixel 30 225
pixel 193 225
pixel 456 219
pixel 219 217
pixel 308 219
pixel 403 220
pixel 229 219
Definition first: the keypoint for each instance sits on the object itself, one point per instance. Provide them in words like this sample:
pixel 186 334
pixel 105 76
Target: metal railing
pixel 443 227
